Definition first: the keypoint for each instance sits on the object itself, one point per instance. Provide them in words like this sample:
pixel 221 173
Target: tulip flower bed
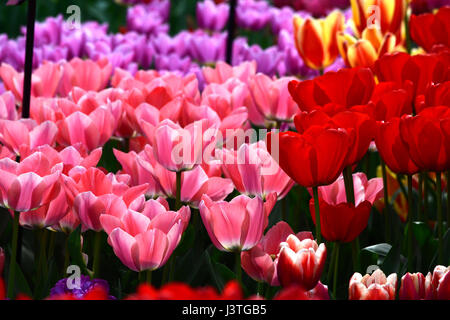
pixel 314 164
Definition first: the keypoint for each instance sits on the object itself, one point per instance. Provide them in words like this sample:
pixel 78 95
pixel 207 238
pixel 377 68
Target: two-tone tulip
pixel 365 51
pixel 316 41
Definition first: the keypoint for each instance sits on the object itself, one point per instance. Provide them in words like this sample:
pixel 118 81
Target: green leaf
pixel 74 245
pixel 422 232
pixel 392 262
pixel 381 249
pixel 21 282
pixel 216 277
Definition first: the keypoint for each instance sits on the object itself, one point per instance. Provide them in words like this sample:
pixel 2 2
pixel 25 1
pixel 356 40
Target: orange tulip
pixel 386 14
pixel 316 41
pixel 365 51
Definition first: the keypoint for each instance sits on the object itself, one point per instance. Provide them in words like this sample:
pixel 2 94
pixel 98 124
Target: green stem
pixel 387 225
pixel 348 182
pixel 260 289
pixel 447 175
pixel 420 200
pixel 330 267
pixel 97 247
pixel 284 208
pixel 356 253
pixel 178 191
pixel 439 213
pixel 51 246
pixel 350 194
pixel 237 267
pixel 66 255
pixel 149 277
pixel 425 196
pixel 410 218
pixel 336 266
pixel 317 212
pixel 12 264
pixel 141 277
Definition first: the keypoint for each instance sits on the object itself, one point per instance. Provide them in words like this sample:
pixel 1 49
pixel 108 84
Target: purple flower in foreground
pixel 86 285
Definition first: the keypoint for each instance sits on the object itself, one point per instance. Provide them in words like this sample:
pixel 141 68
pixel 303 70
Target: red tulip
pixel 313 158
pixel 435 95
pixel 346 87
pixel 342 221
pixel 438 284
pixel 412 287
pixel 429 30
pixel 182 291
pixel 360 126
pixel 372 287
pixel 427 137
pixel 393 150
pixel 390 100
pixel 301 262
pixel 296 292
pixel 421 70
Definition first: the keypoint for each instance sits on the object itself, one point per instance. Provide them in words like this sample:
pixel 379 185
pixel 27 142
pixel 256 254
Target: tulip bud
pixel 412 287
pixel 301 262
pixel 437 285
pixel 372 287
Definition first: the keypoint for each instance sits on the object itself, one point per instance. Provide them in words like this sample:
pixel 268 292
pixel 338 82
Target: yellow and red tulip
pixel 316 39
pixel 365 51
pixel 389 12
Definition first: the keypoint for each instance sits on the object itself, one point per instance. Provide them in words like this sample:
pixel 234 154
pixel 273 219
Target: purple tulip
pixel 211 16
pixel 86 284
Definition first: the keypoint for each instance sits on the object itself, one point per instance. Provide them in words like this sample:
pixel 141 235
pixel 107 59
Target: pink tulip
pixel 229 102
pixel 301 261
pixel 272 98
pixel 125 80
pixel 236 225
pixel 24 136
pixel 92 130
pixel 412 287
pixel 8 106
pixel 47 215
pixel 90 192
pixel 260 262
pixel 45 80
pixel 145 240
pixel 132 164
pixel 51 109
pixel 194 183
pixel 86 74
pixel 68 223
pixel 161 90
pixel 223 71
pixel 30 184
pixel 254 172
pixel 176 148
pixel 437 285
pixel 365 190
pixel 372 287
